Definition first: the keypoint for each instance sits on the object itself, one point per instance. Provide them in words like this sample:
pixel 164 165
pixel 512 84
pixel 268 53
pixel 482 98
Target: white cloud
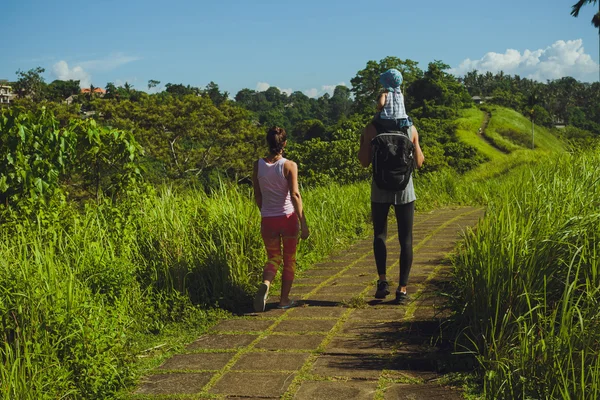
pixel 563 58
pixel 311 92
pixel 82 70
pixel 262 86
pixel 62 71
pixel 109 62
pixel 330 88
pixel 314 92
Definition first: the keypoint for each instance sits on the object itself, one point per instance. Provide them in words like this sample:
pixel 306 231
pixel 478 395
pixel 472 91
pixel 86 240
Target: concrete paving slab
pixel 365 327
pixel 363 270
pixel 341 289
pixel 357 345
pixel 176 383
pixel 362 279
pixel 247 384
pixel 271 361
pixel 308 281
pixel 303 325
pixel 326 299
pixel 199 361
pixel 354 390
pixel 387 313
pixel 317 312
pixel 356 366
pixel 224 342
pixel 291 342
pixel 302 290
pixel 421 392
pixel 316 273
pixel 243 325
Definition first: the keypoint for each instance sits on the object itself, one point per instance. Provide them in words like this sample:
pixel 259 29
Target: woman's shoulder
pixel 288 163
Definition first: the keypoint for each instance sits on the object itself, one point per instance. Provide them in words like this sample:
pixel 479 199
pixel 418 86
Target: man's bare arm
pixel 364 153
pixel 419 157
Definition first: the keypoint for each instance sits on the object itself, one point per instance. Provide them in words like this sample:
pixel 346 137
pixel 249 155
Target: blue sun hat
pixel 391 79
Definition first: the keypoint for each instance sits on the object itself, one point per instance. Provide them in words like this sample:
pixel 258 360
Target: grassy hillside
pixel 506 141
pixel 516 128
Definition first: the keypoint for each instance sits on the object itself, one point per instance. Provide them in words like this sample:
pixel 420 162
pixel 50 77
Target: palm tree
pixel 595 20
pixel 577 7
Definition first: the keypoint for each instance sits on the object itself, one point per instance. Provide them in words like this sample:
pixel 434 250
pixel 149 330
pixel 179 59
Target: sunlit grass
pixel 527 282
pixel 515 128
pixel 79 296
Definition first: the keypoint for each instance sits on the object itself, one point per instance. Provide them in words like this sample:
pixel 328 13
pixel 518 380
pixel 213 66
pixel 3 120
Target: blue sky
pixel 308 45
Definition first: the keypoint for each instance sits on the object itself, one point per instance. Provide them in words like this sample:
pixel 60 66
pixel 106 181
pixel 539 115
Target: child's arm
pixel 381 101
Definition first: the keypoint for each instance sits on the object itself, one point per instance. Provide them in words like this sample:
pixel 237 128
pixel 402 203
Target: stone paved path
pixel 340 343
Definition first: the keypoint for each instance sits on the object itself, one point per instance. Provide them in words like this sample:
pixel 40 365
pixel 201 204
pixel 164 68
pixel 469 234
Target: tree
pixel 366 87
pixel 178 89
pixel 187 136
pixel 579 5
pixel 307 130
pixel 111 91
pixel 30 83
pixel 595 19
pixel 340 103
pixel 213 92
pixel 60 90
pixel 152 84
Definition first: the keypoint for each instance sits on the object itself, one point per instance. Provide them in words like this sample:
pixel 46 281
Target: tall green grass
pixel 79 296
pixel 527 282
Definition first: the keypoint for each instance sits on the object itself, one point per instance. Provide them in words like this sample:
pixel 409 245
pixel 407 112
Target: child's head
pixel 391 79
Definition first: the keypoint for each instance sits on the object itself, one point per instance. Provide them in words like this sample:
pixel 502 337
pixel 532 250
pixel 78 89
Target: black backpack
pixel 393 155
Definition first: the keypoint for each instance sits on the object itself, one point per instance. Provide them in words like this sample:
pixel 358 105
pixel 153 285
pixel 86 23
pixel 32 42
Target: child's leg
pixel 270 232
pixel 290 243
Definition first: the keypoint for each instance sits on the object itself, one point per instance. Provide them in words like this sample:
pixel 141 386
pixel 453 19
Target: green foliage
pixel 35 154
pixel 187 136
pixel 517 129
pixel 438 93
pixel 307 130
pixel 30 84
pixel 39 158
pixel 563 100
pixel 106 159
pixel 527 282
pixel 366 86
pixel 82 295
pixel 59 91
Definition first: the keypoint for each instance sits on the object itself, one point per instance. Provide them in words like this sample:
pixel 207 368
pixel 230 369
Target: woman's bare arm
pixel 290 171
pixel 256 186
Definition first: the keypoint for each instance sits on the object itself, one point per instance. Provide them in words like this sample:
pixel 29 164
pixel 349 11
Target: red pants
pixel 276 231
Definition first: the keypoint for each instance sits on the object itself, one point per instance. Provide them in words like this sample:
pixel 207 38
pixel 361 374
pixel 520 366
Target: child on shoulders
pixel 390 105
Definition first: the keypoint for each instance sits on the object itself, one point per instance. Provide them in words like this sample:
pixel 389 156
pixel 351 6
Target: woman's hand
pixel 304 232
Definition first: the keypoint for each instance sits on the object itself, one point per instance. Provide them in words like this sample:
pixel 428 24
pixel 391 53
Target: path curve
pixel 482 135
pixel 341 343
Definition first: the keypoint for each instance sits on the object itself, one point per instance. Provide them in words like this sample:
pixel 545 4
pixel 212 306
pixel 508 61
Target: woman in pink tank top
pixel 276 193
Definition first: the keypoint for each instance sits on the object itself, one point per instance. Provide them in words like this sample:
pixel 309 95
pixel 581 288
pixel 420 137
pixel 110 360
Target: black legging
pixel 404 218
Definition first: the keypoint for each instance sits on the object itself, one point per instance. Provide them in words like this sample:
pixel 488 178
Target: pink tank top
pixel 276 200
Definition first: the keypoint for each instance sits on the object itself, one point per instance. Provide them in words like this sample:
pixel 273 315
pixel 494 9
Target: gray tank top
pixel 400 197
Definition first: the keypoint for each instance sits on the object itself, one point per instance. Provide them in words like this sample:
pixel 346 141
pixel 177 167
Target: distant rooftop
pixel 96 90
